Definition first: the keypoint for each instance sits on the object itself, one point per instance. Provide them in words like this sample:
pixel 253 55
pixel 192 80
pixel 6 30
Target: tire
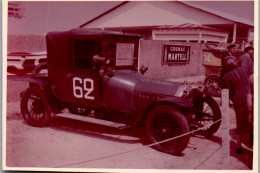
pixel 79 110
pixel 34 107
pixel 213 82
pixel 164 122
pixel 206 114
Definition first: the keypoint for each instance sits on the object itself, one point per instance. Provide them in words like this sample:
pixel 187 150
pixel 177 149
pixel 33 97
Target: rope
pixel 145 146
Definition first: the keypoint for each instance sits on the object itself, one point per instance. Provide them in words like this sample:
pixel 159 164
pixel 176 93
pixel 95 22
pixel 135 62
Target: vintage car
pixel 212 55
pixel 88 81
pixel 24 62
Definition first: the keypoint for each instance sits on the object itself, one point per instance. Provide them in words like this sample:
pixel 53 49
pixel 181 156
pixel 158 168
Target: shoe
pixel 239 150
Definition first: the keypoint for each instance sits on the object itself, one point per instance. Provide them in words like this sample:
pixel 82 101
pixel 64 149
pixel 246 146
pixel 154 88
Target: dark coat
pixel 236 81
pixel 246 62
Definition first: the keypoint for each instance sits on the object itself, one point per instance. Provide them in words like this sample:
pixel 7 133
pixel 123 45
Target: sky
pixel 41 17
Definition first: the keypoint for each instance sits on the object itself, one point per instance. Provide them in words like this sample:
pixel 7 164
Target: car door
pixel 78 83
pixel 83 79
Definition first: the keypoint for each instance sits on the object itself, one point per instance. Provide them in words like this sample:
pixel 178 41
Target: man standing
pixel 246 60
pixel 236 80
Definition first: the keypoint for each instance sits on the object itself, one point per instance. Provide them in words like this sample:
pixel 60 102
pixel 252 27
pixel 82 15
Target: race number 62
pixel 82 88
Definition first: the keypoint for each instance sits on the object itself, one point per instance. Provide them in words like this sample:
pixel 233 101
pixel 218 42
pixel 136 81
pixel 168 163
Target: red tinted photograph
pixel 129 86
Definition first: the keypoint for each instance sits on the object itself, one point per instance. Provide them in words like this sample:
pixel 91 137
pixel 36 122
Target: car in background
pixel 212 55
pixel 24 62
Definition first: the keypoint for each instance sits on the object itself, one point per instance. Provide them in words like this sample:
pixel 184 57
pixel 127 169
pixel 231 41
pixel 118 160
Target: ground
pixel 72 144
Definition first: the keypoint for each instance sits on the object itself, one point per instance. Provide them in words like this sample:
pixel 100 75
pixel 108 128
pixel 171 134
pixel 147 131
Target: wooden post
pixel 225 124
pixel 234 33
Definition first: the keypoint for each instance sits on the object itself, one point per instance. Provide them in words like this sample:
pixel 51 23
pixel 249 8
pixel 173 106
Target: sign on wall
pixel 176 54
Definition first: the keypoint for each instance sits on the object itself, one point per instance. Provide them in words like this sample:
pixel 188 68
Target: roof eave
pixel 106 12
pixel 223 14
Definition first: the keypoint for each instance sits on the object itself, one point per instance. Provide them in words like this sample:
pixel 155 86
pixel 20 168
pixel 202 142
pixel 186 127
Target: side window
pixel 122 50
pixel 109 49
pixel 84 50
pixel 124 54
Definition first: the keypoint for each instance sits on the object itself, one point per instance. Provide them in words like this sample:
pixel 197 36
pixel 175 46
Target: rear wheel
pixel 34 107
pixel 206 114
pixel 164 122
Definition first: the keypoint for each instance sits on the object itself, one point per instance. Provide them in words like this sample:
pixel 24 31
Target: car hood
pixel 157 87
pixel 127 86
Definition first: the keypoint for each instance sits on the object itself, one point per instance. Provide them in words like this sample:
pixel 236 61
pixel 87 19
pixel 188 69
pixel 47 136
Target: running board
pixel 93 120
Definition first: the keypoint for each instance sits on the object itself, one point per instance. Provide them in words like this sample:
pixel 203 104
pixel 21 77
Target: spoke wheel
pixel 164 122
pixel 214 83
pixel 34 107
pixel 206 114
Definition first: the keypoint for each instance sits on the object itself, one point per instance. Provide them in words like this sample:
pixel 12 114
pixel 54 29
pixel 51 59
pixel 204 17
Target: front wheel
pixel 164 122
pixel 206 114
pixel 34 107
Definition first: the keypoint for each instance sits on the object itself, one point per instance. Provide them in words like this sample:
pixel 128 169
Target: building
pixel 190 33
pixel 29 21
pixel 142 16
pixel 26 29
pixel 184 22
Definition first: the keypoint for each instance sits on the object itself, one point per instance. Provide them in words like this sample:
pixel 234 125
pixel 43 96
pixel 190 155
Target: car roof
pixel 59 43
pixel 89 32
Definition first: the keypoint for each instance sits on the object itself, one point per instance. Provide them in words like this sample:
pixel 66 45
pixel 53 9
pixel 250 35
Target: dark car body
pixel 125 91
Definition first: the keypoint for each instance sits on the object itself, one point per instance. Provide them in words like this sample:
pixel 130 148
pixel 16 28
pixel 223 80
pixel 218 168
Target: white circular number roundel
pixel 82 88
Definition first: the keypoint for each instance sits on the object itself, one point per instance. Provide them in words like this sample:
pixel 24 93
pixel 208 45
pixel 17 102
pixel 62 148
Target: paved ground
pixel 72 144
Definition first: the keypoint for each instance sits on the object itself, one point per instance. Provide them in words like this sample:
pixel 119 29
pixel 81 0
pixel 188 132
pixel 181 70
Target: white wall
pixel 151 53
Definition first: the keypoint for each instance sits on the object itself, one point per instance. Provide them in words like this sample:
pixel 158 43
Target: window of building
pixel 15 9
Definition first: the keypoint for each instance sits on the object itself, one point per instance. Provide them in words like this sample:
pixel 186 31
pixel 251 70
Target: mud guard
pixel 185 106
pixel 177 101
pixel 44 85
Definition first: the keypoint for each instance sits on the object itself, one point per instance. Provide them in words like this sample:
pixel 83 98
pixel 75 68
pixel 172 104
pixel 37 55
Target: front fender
pixel 176 101
pixel 186 88
pixel 183 105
